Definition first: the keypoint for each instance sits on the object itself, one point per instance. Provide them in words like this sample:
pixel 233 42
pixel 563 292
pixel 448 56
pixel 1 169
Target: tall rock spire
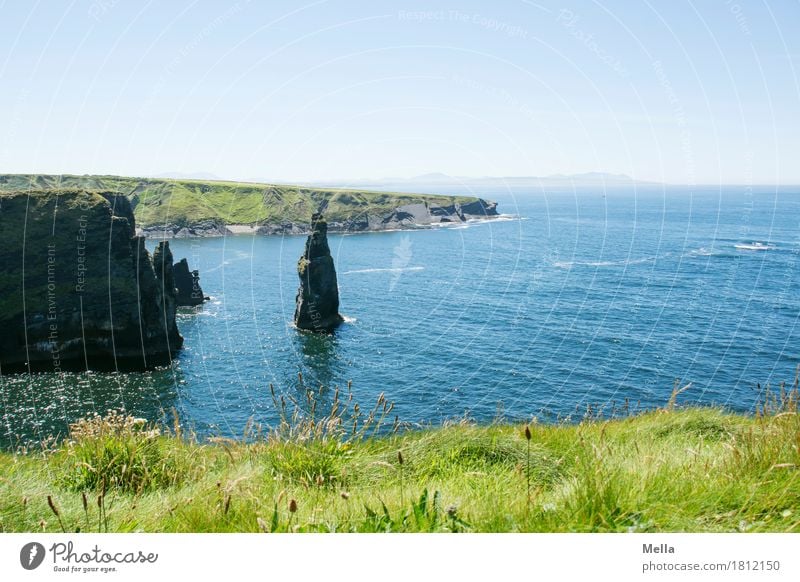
pixel 318 295
pixel 162 264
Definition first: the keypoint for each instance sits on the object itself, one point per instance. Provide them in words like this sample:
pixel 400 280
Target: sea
pixel 574 302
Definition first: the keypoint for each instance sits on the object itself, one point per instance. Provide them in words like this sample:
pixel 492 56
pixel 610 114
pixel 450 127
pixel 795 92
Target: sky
pixel 686 92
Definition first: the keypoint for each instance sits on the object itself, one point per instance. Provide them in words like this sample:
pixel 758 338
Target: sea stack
pixel 187 285
pixel 318 296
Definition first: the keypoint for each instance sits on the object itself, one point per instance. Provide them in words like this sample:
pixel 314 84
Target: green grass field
pixel 679 470
pixel 185 202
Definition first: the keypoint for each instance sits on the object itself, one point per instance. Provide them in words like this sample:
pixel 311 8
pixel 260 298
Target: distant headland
pixel 182 208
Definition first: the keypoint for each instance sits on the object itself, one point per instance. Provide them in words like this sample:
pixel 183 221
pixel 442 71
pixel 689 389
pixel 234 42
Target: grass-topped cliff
pixel 185 202
pixel 685 470
pixel 78 288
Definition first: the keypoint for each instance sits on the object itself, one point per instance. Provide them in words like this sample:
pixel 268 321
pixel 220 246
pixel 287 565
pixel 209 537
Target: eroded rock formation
pixel 187 285
pixel 78 288
pixel 318 295
pixel 201 229
pixel 409 216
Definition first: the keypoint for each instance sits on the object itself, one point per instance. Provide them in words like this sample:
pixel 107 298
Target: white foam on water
pixel 709 252
pixel 386 270
pixel 619 263
pixel 756 246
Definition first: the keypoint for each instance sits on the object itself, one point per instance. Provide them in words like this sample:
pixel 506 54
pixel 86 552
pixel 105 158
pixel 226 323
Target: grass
pixel 184 202
pixel 352 470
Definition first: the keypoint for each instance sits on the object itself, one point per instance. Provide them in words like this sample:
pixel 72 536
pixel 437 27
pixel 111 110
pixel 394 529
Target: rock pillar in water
pixel 318 296
pixel 187 285
pixel 162 264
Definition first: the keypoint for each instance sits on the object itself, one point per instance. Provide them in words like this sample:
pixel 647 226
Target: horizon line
pixel 360 182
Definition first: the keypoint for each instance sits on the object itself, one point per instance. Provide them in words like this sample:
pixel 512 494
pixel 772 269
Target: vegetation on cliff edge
pixel 185 202
pixel 687 470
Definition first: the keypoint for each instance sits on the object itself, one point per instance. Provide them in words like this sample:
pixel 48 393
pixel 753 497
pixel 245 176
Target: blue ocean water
pixel 579 298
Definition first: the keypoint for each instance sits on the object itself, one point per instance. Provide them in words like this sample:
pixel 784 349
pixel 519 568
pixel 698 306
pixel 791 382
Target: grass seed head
pixel 52 505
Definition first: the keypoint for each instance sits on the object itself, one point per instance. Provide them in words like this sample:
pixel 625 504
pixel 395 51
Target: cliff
pixel 78 288
pixel 317 306
pixel 419 214
pixel 192 208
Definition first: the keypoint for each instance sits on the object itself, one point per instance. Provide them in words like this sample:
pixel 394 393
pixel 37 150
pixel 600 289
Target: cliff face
pixel 318 296
pixel 201 229
pixel 78 288
pixel 408 216
pixel 425 214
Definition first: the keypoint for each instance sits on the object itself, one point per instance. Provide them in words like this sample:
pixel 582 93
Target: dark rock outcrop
pixel 318 295
pixel 187 285
pixel 420 215
pixel 284 228
pixel 78 288
pixel 479 209
pixel 205 228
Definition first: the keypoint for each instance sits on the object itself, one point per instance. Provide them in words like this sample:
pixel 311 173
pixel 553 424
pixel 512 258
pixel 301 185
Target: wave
pixel 701 252
pixel 471 222
pixel 754 246
pixel 617 263
pixel 452 225
pixel 499 217
pixel 385 270
pixel 489 220
pixel 719 253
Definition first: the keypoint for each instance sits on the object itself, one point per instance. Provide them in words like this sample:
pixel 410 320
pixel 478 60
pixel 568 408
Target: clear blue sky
pixel 697 92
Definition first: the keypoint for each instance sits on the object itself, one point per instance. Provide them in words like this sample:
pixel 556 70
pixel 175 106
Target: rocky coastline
pixel 406 217
pixel 78 288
